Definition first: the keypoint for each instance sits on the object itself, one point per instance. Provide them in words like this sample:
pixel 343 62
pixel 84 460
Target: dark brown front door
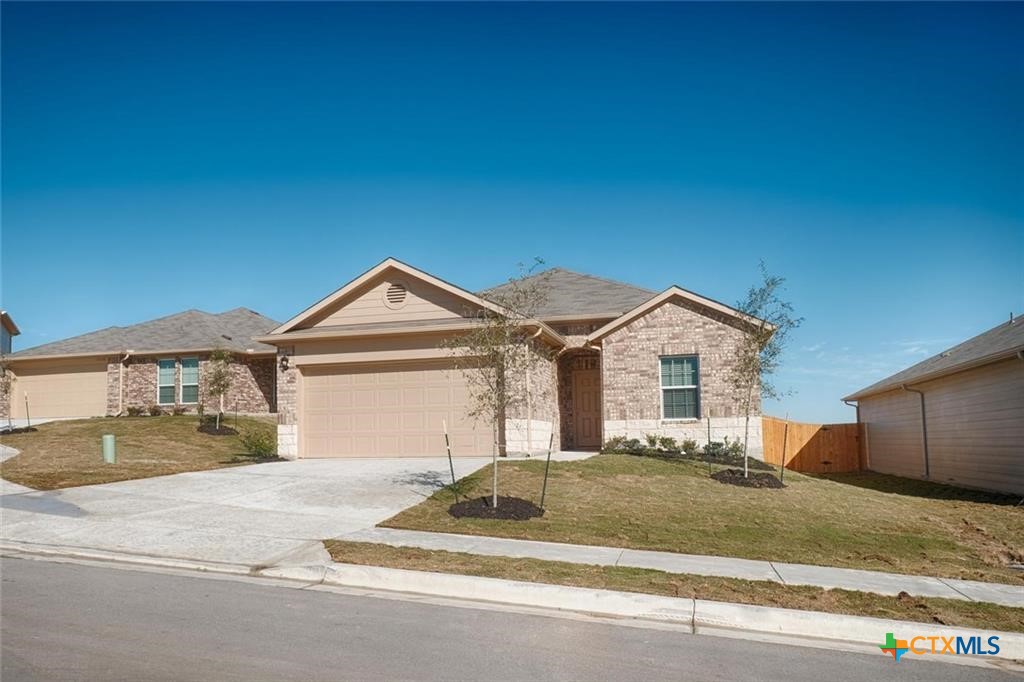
pixel 586 398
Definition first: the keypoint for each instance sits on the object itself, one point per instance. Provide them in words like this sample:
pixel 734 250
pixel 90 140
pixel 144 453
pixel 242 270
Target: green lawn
pixel 761 593
pixel 862 520
pixel 68 453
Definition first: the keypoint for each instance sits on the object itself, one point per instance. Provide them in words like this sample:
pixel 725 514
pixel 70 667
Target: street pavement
pixel 65 621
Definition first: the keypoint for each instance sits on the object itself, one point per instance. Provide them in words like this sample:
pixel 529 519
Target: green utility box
pixel 109 449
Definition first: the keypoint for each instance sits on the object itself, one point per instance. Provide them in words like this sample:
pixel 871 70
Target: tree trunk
pixel 746 428
pixel 494 466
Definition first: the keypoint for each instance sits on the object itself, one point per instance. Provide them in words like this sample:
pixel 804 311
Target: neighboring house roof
pixel 8 323
pixel 998 343
pixel 192 330
pixel 574 294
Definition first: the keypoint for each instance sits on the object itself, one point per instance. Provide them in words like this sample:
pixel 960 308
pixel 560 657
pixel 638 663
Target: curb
pixel 123 558
pixel 697 616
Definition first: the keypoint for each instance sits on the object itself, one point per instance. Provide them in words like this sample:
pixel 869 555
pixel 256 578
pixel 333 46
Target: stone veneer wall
pixel 5 401
pixel 529 431
pixel 287 406
pixel 252 389
pixel 631 376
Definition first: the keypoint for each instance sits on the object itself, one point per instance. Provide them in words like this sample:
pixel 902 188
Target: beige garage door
pixel 60 389
pixel 388 411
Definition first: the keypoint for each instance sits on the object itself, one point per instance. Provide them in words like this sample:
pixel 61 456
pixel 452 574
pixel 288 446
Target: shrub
pixel 652 440
pixel 689 448
pixel 178 411
pixel 136 411
pixel 714 449
pixel 259 443
pixel 668 444
pixel 735 448
pixel 155 411
pixel 613 445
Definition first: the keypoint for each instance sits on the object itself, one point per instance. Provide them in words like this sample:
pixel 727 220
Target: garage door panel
pixel 60 389
pixel 387 411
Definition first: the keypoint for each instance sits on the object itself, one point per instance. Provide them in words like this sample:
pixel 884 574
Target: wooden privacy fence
pixel 813 448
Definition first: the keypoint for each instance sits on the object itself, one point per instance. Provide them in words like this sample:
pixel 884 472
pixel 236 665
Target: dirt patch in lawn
pixel 214 430
pixel 761 593
pixel 509 508
pixel 63 454
pixel 752 480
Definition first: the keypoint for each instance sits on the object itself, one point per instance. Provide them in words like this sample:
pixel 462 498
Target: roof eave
pixel 362 279
pixel 8 321
pixel 662 298
pixel 937 374
pixel 132 352
pixel 547 332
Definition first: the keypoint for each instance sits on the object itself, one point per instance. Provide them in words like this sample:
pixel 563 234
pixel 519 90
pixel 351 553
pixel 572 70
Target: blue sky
pixel 158 157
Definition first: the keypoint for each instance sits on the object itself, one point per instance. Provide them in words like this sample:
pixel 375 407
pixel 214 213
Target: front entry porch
pixel 579 399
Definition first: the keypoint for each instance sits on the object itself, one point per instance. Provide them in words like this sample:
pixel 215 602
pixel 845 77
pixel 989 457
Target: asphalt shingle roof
pixel 190 330
pixel 999 341
pixel 574 293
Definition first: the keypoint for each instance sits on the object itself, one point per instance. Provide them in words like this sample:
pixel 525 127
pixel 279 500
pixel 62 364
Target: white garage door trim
pixel 392 409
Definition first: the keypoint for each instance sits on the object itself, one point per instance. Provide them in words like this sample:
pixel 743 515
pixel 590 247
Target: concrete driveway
pixel 263 514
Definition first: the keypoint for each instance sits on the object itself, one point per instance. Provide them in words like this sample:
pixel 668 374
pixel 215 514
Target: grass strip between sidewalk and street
pixel 760 593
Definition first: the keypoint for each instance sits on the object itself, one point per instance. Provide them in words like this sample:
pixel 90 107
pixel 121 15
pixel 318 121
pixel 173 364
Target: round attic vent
pixel 394 295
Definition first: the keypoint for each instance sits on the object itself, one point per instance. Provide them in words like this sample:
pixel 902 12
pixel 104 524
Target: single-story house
pixel 158 362
pixel 363 372
pixel 957 417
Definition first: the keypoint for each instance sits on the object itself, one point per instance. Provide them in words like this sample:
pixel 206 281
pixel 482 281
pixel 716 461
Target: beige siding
pixel 60 388
pixel 893 432
pixel 368 305
pixel 975 428
pixel 371 349
pixel 391 410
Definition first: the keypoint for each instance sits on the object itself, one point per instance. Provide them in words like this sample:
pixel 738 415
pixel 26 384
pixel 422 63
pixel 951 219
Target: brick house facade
pixel 252 385
pixel 631 381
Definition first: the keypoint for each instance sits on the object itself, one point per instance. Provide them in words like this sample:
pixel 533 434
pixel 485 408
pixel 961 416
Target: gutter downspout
pixel 120 383
pixel 867 450
pixel 924 428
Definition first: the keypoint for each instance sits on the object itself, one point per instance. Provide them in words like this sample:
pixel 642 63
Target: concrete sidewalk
pixel 747 569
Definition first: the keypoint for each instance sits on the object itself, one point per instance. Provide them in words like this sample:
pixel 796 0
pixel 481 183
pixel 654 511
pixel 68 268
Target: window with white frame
pixel 189 380
pixel 680 387
pixel 165 382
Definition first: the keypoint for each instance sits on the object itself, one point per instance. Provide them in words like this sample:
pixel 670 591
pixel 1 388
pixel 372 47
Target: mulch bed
pixel 754 480
pixel 21 429
pixel 509 508
pixel 212 430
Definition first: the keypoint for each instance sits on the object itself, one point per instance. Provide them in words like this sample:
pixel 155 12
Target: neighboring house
pixel 8 330
pixel 362 371
pixel 957 417
pixel 159 362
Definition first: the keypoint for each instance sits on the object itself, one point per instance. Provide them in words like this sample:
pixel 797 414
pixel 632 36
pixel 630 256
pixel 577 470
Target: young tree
pixel 218 379
pixel 763 343
pixel 497 353
pixel 6 389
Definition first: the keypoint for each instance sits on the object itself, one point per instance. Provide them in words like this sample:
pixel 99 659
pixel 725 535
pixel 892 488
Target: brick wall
pixel 631 374
pixel 251 392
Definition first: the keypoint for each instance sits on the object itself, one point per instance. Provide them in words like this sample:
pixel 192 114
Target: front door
pixel 586 398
